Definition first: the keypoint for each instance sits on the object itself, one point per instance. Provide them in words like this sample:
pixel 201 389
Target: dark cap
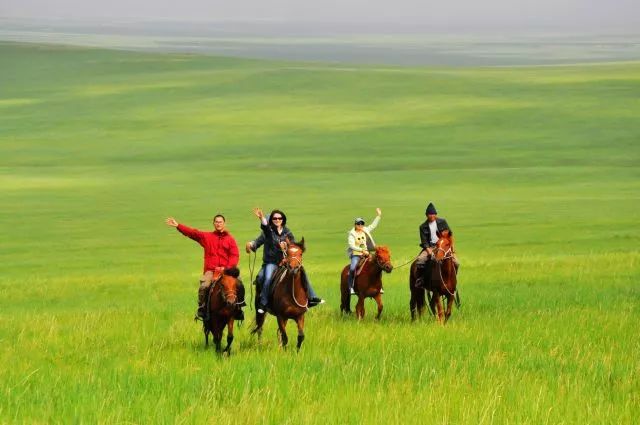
pixel 431 209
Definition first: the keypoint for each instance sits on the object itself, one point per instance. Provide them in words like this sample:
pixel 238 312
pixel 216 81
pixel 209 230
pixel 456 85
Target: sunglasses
pixel 276 218
pixel 360 223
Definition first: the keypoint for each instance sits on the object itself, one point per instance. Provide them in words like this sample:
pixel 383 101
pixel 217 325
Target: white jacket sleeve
pixel 373 224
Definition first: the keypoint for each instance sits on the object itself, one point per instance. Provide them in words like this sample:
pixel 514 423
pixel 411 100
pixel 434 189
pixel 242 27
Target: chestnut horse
pixel 368 283
pixel 221 308
pixel 290 299
pixel 440 284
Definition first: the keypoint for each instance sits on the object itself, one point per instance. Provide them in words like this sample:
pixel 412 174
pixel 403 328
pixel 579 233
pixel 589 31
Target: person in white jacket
pixel 360 244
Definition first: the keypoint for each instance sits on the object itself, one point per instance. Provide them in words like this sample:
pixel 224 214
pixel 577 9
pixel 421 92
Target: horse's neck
pixel 373 270
pixel 215 296
pixel 448 268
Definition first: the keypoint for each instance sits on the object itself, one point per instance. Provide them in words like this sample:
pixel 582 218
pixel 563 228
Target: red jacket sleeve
pixel 234 255
pixel 194 234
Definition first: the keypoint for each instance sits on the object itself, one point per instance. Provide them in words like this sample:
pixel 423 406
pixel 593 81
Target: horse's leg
pixel 432 302
pixel 378 299
pixel 300 323
pixel 450 301
pixel 206 334
pixel 360 307
pixel 421 300
pixel 282 327
pixel 440 309
pixel 227 349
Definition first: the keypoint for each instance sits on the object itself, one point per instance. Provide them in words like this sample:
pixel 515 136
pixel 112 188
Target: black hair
pixel 284 217
pixel 219 215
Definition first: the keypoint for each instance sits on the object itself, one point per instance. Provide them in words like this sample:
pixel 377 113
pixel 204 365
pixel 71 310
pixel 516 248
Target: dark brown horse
pixel 441 283
pixel 221 308
pixel 368 283
pixel 290 299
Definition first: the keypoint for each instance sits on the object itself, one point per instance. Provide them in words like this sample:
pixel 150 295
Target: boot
pixel 240 292
pixel 202 303
pixel 239 314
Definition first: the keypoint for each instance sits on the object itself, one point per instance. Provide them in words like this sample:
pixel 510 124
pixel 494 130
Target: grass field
pixel 536 170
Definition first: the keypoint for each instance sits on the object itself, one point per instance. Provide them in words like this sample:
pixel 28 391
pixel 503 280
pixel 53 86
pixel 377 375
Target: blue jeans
pixel 267 274
pixel 352 270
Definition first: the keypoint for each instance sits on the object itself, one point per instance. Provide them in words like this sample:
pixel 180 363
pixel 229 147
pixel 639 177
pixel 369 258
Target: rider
pixel 220 253
pixel 360 243
pixel 274 235
pixel 429 231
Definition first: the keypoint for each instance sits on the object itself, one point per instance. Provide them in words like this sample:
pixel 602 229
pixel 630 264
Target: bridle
pixel 223 295
pixel 294 269
pixel 448 253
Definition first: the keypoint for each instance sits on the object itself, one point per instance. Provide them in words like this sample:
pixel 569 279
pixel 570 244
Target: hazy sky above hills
pixel 571 14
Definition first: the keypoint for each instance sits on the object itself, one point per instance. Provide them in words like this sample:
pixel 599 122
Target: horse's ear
pixel 446 233
pixel 301 244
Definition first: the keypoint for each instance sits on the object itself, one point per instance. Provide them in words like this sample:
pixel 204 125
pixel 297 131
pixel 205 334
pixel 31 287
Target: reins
pixel 252 267
pixel 409 262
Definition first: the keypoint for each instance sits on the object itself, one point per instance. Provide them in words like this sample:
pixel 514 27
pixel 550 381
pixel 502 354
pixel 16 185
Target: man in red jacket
pixel 220 253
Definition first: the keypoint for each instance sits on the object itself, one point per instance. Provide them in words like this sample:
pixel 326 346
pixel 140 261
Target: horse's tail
pixel 345 298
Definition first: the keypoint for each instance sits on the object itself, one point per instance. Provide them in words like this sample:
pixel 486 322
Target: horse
pixel 441 284
pixel 368 283
pixel 290 299
pixel 221 308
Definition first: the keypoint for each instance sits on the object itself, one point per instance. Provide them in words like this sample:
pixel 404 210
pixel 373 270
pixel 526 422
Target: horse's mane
pixel 382 249
pixel 232 271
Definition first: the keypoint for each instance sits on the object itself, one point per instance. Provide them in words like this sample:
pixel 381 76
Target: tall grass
pixel 536 170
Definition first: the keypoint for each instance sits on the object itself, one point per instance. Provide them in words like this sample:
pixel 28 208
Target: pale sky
pixel 580 14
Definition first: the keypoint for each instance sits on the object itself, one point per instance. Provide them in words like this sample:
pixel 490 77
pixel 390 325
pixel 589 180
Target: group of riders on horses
pixel 221 253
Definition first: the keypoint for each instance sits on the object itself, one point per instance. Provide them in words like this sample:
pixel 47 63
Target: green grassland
pixel 535 168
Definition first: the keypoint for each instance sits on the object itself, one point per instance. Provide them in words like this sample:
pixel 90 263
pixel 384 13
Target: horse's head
pixel 229 285
pixel 383 258
pixel 293 257
pixel 443 248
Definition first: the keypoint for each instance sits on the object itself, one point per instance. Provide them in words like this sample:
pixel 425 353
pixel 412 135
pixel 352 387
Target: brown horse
pixel 441 282
pixel 290 299
pixel 368 283
pixel 221 308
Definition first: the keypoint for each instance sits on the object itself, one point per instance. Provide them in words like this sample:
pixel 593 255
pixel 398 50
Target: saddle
pixel 278 278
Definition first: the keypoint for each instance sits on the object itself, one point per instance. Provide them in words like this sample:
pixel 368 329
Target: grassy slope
pixel 536 169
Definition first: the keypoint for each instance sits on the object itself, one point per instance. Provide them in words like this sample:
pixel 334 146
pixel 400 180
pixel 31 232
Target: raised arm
pixel 375 221
pixel 194 234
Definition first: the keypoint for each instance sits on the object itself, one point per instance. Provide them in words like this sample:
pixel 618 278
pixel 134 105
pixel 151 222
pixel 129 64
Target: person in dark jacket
pixel 429 234
pixel 273 238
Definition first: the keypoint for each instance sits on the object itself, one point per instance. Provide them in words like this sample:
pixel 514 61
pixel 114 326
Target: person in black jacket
pixel 429 233
pixel 273 238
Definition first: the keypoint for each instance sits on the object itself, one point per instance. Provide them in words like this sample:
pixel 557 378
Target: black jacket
pixel 272 253
pixel 425 232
